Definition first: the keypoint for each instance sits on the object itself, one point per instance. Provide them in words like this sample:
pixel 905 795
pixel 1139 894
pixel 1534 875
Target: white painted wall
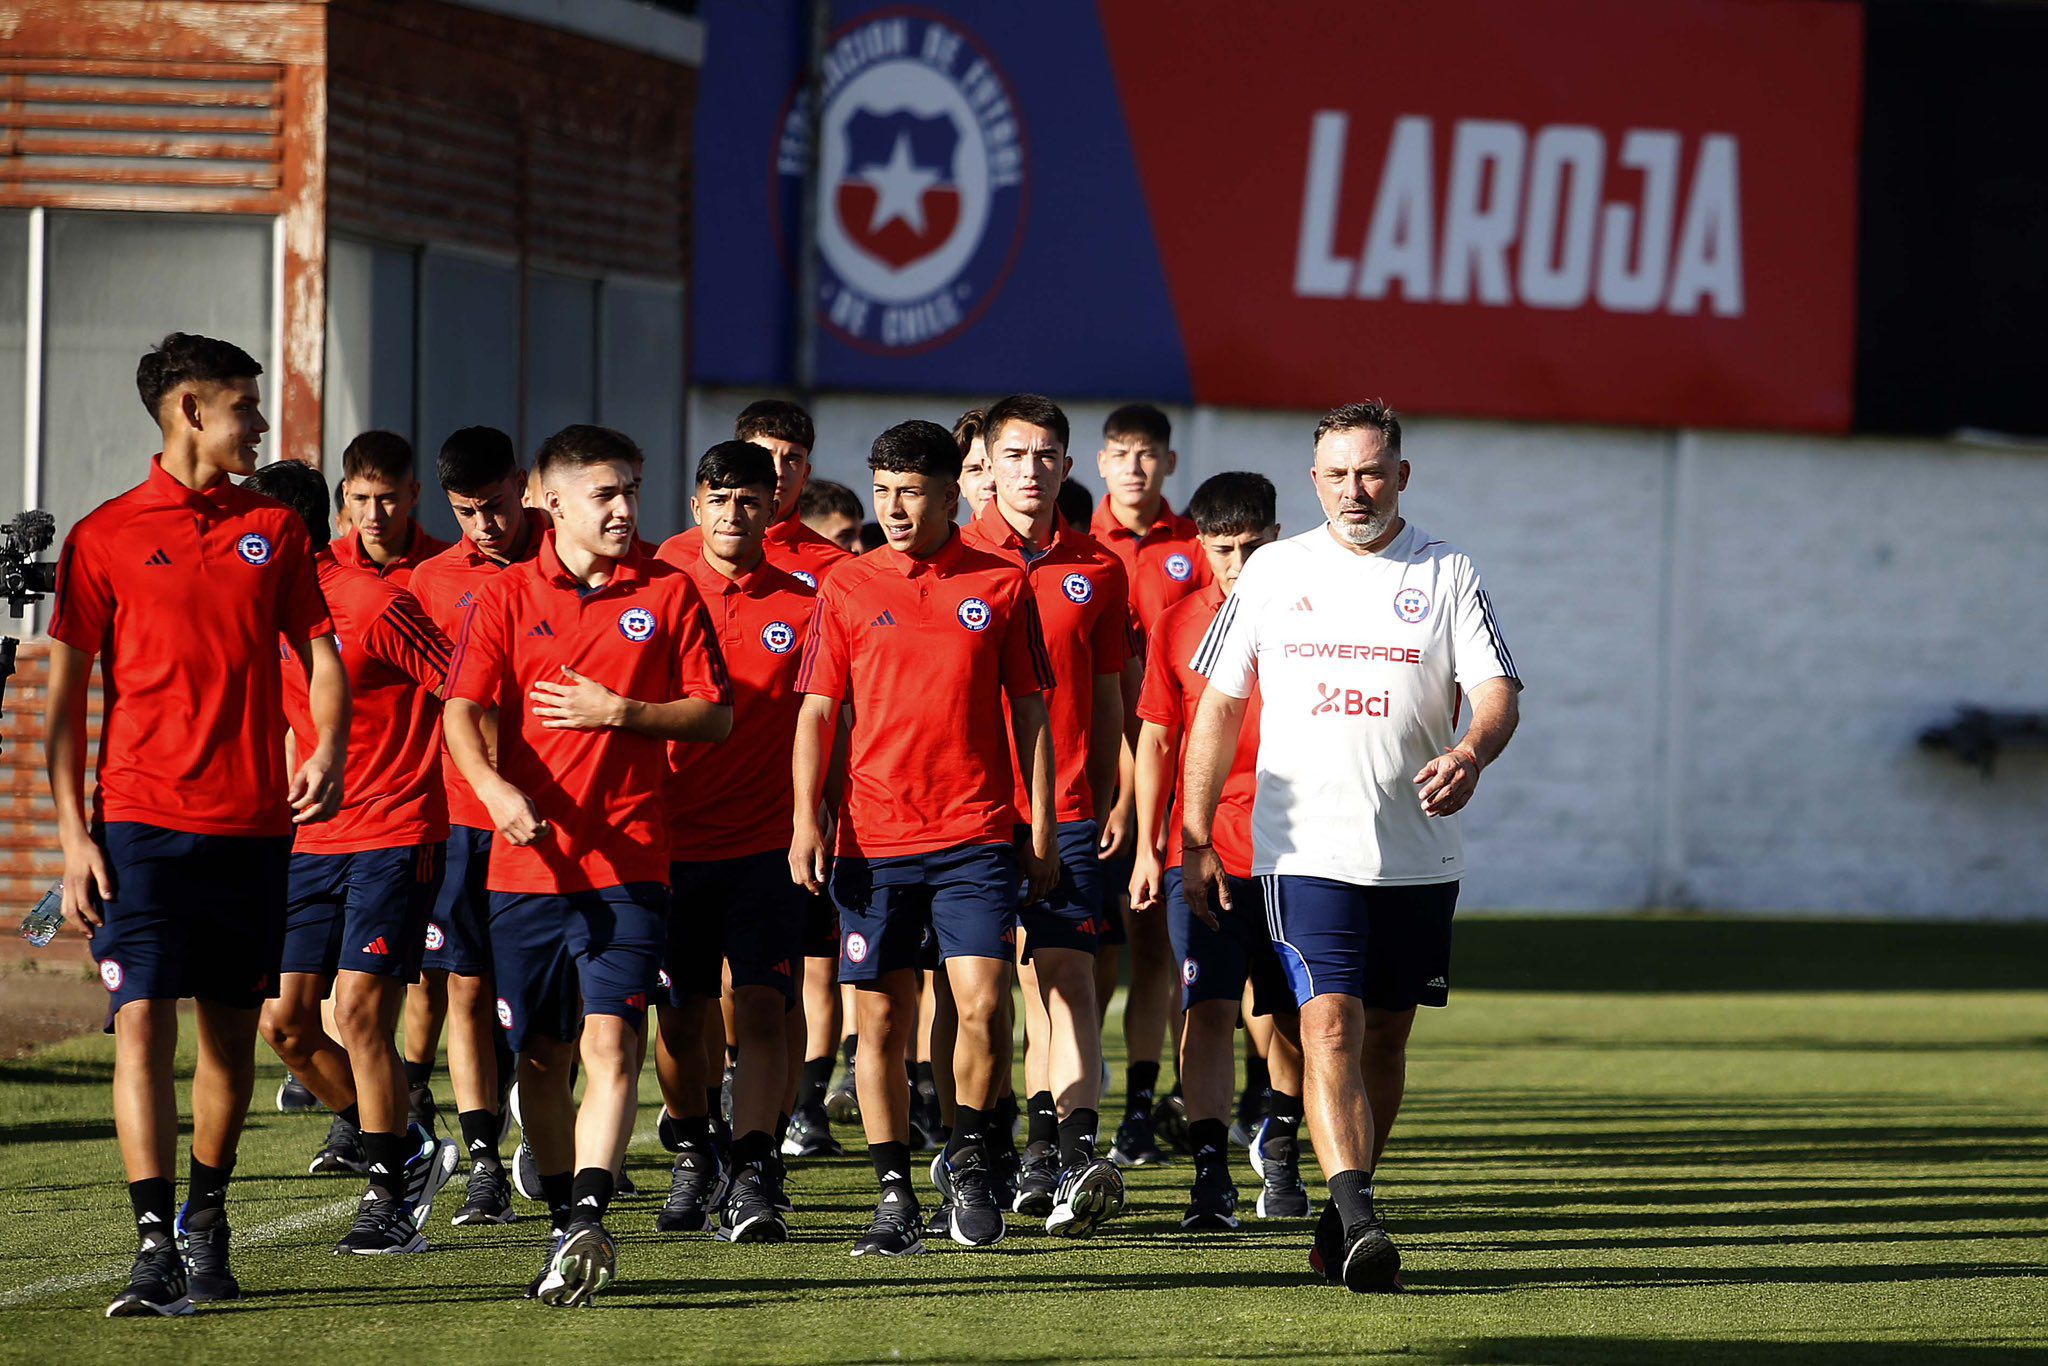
pixel 1730 644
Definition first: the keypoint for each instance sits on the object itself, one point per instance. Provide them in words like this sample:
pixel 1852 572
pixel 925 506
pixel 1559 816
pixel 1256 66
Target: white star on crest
pixel 899 189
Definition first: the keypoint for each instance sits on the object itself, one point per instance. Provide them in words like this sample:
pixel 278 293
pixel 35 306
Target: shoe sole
pixel 585 1264
pixel 1002 1231
pixel 479 1218
pixel 803 1152
pixel 1211 1223
pixel 445 1157
pixel 1373 1267
pixel 136 1309
pixel 1090 1208
pixel 1266 1203
pixel 916 1249
pixel 1037 1204
pixel 417 1243
pixel 334 1167
pixel 762 1228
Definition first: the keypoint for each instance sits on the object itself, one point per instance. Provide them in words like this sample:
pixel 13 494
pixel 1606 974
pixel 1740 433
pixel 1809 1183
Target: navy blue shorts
pixel 821 922
pixel 560 956
pixel 459 930
pixel 361 912
pixel 965 897
pixel 1073 915
pixel 1116 882
pixel 745 911
pixel 1388 946
pixel 1216 964
pixel 196 917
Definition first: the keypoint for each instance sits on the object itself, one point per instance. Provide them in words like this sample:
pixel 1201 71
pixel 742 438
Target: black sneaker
pixel 1212 1202
pixel 749 1214
pixel 894 1232
pixel 622 1185
pixel 940 1225
pixel 421 1110
pixel 1136 1144
pixel 1005 1166
pixel 526 1171
pixel 203 1243
pixel 696 1187
pixel 489 1200
pixel 925 1113
pixel 1037 1179
pixel 1170 1122
pixel 383 1227
pixel 428 1167
pixel 1089 1196
pixel 547 1263
pixel 585 1261
pixel 810 1135
pixel 1326 1249
pixel 156 1285
pixel 1251 1110
pixel 1282 1195
pixel 1372 1264
pixel 293 1098
pixel 775 1181
pixel 970 1186
pixel 342 1152
pixel 842 1102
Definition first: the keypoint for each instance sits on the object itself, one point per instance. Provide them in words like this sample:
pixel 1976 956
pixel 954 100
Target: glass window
pixel 116 283
pixel 561 354
pixel 468 362
pixel 642 393
pixel 369 344
pixel 13 354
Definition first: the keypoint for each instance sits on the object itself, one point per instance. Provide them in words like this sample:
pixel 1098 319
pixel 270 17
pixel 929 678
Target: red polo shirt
pixel 1164 565
pixel 790 546
pixel 1172 690
pixel 1084 611
pixel 397 662
pixel 349 551
pixel 183 595
pixel 445 586
pixel 644 634
pixel 926 650
pixel 735 798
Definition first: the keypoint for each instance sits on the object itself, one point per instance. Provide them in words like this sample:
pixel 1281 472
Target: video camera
pixel 23 578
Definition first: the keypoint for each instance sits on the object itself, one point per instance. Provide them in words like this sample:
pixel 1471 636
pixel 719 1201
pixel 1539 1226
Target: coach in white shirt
pixel 1366 636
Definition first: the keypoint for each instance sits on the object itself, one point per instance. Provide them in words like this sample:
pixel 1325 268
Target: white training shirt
pixel 1359 660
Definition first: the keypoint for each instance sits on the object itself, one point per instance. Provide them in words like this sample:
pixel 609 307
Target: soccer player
pixel 729 827
pixel 181 588
pixel 832 511
pixel 977 471
pixel 592 656
pixel 1079 591
pixel 481 475
pixel 1162 555
pixel 362 883
pixel 925 637
pixel 1360 635
pixel 1234 512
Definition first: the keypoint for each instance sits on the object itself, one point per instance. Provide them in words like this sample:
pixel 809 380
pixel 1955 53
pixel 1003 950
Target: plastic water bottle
pixel 42 923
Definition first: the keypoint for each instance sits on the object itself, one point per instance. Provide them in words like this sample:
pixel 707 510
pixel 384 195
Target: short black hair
pixel 585 443
pixel 1352 417
pixel 299 487
pixel 188 358
pixel 1139 419
pixel 1234 502
pixel 736 465
pixel 823 498
pixel 475 458
pixel 377 455
pixel 916 447
pixel 871 537
pixel 1036 409
pixel 340 495
pixel 1077 503
pixel 969 428
pixel 777 419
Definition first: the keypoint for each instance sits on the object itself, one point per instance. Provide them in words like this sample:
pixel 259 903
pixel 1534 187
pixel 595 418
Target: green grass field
pixel 1628 1141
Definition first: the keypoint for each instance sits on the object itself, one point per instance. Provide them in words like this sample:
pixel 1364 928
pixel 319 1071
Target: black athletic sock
pixel 970 1127
pixel 351 1113
pixel 817 1081
pixel 1258 1074
pixel 781 1128
pixel 924 1079
pixel 1141 1081
pixel 554 1192
pixel 698 1133
pixel 892 1168
pixel 384 1156
pixel 751 1150
pixel 1211 1141
pixel 1283 1115
pixel 1045 1119
pixel 847 1048
pixel 208 1188
pixel 714 1101
pixel 1002 1122
pixel 480 1136
pixel 1077 1139
pixel 418 1074
pixel 152 1201
pixel 1351 1193
pixel 590 1194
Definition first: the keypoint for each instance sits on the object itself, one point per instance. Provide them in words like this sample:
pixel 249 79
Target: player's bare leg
pixel 1352 1244
pixel 1154 996
pixel 145 1089
pixel 1383 1061
pixel 611 1049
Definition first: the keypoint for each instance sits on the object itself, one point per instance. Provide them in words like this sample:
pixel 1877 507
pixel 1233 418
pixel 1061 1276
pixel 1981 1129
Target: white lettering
pixel 1550 278
pixel 1709 264
pixel 1399 244
pixel 1480 211
pixel 1620 289
pixel 1318 272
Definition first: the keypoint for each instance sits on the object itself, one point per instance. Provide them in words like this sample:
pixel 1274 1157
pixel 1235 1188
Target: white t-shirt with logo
pixel 1360 660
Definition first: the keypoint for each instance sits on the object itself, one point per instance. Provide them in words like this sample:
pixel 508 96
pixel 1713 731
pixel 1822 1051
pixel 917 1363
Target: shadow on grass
pixel 1615 1351
pixel 1593 954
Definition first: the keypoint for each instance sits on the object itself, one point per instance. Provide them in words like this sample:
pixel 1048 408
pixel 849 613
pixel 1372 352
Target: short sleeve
pixel 825 668
pixel 1229 653
pixel 1159 698
pixel 1111 637
pixel 1478 649
pixel 1027 664
pixel 482 652
pixel 301 610
pixel 406 638
pixel 84 609
pixel 700 663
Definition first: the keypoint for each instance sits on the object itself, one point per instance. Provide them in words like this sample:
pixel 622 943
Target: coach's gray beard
pixel 1366 532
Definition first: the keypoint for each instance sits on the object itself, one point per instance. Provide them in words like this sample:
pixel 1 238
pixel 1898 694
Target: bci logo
pixel 1336 701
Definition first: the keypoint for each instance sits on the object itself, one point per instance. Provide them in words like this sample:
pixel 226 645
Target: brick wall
pixel 29 856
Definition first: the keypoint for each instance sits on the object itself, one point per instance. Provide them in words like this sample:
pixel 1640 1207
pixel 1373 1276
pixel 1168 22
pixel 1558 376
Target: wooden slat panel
pixel 41 144
pixel 195 96
pixel 141 69
pixel 197 201
pixel 206 177
pixel 13 116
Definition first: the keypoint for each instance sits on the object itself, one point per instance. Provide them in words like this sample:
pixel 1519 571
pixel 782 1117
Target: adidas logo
pixel 152 1217
pixel 587 1200
pixel 377 946
pixel 479 1145
pixel 542 630
pixel 1439 982
pixel 894 1176
pixel 158 558
pixel 1302 606
pixel 378 1168
pixel 886 619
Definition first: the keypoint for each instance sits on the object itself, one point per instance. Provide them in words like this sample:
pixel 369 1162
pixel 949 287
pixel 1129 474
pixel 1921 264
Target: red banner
pixel 1553 209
